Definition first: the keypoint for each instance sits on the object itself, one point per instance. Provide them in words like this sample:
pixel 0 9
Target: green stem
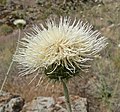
pixel 66 93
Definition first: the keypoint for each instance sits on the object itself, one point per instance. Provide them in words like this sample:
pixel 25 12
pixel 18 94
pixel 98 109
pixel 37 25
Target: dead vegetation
pixel 101 85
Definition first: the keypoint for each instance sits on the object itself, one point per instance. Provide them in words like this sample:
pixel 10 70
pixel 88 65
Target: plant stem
pixel 10 66
pixel 66 93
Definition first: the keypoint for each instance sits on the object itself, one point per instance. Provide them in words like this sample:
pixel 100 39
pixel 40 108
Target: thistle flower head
pixel 62 49
pixel 19 22
pixel 118 45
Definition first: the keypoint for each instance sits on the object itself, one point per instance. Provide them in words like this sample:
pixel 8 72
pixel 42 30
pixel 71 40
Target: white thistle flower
pixel 118 45
pixel 19 21
pixel 67 44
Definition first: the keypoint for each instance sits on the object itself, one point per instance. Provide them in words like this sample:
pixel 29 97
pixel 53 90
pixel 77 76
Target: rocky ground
pixel 36 10
pixel 15 103
pixel 89 94
pixel 10 102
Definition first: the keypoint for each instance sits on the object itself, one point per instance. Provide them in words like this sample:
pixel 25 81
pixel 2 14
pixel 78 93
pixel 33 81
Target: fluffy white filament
pixel 66 43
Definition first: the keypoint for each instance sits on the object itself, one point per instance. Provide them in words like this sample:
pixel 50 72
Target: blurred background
pixel 101 85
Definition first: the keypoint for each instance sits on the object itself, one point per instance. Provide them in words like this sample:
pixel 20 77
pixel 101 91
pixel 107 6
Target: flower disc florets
pixel 65 46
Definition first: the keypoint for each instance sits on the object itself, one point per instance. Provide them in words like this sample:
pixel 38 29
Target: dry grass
pixel 28 91
pixel 101 84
